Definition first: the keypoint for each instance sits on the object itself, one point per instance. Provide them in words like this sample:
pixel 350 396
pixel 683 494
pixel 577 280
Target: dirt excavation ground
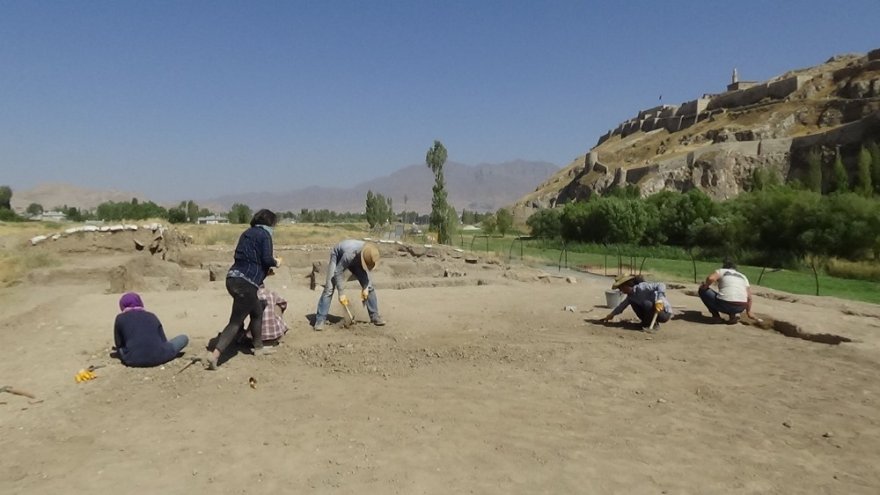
pixel 492 379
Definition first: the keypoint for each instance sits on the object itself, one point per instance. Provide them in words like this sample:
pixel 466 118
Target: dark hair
pixel 264 217
pixel 728 263
pixel 637 280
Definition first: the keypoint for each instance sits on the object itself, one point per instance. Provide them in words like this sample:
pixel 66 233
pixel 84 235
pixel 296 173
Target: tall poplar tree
pixel 435 159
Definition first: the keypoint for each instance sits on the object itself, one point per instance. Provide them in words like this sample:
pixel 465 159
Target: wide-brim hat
pixel 369 256
pixel 622 280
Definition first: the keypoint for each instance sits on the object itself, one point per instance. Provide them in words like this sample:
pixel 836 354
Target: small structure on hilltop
pixel 736 84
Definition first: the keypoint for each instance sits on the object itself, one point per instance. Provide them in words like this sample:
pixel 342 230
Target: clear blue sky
pixel 190 99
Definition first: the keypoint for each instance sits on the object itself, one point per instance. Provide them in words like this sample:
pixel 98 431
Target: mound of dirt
pixel 146 273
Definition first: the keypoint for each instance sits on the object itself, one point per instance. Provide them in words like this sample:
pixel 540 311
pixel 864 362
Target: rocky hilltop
pixel 717 141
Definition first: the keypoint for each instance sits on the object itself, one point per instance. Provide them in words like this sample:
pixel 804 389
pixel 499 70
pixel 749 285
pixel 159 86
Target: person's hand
pixel 658 306
pixel 343 299
pixel 365 293
pixel 607 318
pixel 278 261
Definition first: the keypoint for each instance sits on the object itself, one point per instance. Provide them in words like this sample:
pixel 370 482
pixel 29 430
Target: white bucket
pixel 613 298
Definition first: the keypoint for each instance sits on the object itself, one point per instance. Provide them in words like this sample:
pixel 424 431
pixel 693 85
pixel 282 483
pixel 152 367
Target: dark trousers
pixel 717 305
pixel 645 312
pixel 244 303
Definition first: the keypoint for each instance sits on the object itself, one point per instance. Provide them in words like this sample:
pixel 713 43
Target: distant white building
pixel 212 220
pixel 52 216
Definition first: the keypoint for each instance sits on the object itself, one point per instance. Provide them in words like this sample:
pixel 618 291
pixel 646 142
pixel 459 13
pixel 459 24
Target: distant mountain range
pixel 55 195
pixel 481 188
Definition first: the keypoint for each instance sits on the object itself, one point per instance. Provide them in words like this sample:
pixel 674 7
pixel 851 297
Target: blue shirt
pixel 254 256
pixel 645 292
pixel 346 256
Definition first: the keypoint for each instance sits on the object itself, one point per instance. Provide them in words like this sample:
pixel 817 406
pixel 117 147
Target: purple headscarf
pixel 130 301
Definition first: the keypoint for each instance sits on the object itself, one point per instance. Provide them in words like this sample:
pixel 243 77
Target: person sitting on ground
pixel 140 338
pixel 359 258
pixel 646 298
pixel 734 295
pixel 273 324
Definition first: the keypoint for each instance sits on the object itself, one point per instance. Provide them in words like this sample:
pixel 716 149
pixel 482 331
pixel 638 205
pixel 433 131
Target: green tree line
pixel 776 226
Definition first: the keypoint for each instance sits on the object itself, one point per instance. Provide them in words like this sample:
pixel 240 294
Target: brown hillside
pixel 717 141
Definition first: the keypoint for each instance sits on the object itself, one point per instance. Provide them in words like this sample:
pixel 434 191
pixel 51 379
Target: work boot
pixel 319 325
pixel 263 351
pixel 377 320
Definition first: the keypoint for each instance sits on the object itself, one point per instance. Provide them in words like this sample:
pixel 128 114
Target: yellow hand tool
pixel 87 374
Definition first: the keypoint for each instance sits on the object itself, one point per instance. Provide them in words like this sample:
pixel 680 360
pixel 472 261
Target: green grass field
pixel 793 281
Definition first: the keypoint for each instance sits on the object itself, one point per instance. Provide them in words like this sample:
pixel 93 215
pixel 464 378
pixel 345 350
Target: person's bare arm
pixel 711 279
pixel 749 303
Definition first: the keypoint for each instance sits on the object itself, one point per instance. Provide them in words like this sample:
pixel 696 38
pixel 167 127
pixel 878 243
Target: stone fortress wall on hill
pixel 721 161
pixel 674 118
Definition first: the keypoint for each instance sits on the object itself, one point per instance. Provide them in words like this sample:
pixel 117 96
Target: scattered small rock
pixel 786 424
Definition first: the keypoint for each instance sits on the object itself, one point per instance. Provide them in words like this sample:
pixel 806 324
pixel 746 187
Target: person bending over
pixel 359 258
pixel 645 298
pixel 274 326
pixel 253 259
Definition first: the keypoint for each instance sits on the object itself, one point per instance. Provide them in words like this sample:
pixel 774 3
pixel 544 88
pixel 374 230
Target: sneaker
pixel 734 319
pixel 318 326
pixel 377 320
pixel 263 351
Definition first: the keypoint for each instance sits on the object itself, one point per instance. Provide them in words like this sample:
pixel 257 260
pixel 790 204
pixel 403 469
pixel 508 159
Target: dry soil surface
pixel 494 378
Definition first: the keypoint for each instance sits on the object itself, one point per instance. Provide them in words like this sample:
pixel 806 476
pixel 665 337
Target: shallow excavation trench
pixel 791 330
